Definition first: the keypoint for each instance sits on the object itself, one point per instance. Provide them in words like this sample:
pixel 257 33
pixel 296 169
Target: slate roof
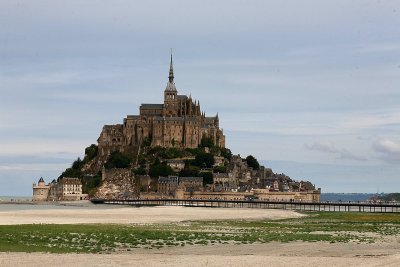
pixel 168 180
pixel 152 106
pixel 133 117
pixel 68 180
pixel 191 179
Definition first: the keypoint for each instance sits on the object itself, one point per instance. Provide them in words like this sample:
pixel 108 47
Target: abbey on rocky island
pixel 178 122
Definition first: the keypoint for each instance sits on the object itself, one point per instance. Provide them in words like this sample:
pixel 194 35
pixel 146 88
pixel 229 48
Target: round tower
pixel 40 191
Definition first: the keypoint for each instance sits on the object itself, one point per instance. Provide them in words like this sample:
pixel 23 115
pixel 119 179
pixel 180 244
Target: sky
pixel 310 88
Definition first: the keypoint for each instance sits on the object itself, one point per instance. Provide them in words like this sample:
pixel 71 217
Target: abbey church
pixel 178 122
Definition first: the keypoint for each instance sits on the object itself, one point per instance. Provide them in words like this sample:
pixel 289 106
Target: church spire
pixel 171 84
pixel 171 71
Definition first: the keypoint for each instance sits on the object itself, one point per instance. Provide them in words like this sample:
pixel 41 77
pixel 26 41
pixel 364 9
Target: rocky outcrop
pixel 117 183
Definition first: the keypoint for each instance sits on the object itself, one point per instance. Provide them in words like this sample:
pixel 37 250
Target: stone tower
pixel 171 95
pixel 40 191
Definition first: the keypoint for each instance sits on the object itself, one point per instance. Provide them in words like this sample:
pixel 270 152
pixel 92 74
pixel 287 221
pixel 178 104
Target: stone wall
pixel 117 183
pixel 309 196
pixel 40 192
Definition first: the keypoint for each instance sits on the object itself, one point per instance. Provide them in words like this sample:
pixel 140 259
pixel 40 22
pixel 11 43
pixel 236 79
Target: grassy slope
pixel 328 227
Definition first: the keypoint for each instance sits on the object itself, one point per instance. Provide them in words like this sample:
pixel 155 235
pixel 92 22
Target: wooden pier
pixel 299 206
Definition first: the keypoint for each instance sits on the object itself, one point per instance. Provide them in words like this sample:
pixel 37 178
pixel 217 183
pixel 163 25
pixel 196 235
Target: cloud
pixel 379 48
pixel 331 149
pixel 42 147
pixel 278 78
pixel 33 167
pixel 389 150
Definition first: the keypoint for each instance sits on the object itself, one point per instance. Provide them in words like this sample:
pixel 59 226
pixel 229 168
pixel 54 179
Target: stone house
pixel 224 182
pixel 69 189
pixel 191 184
pixel 66 189
pixel 167 185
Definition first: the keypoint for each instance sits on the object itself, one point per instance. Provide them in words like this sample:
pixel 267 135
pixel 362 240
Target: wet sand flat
pixel 134 215
pixel 271 254
pixel 385 253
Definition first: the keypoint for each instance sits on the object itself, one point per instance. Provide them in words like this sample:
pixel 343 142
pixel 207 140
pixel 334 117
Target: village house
pixel 66 189
pixel 167 185
pixel 191 184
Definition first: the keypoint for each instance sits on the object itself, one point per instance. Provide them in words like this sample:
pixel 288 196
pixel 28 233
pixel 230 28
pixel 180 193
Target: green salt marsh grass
pixel 106 238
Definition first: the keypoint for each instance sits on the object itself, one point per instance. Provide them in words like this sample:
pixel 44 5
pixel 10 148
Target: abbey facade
pixel 178 122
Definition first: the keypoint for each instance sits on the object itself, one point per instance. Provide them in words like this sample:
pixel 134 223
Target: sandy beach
pixel 133 215
pixel 272 254
pixel 385 253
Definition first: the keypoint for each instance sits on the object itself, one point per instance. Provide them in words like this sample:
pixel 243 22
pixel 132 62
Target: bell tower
pixel 171 95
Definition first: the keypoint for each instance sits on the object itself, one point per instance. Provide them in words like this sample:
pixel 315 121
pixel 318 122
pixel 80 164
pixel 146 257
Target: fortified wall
pixel 310 196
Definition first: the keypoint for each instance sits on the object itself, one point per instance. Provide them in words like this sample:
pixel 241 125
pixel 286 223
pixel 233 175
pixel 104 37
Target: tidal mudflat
pixel 171 236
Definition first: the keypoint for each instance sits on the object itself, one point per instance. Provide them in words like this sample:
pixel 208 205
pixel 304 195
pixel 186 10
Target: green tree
pixel 70 172
pixel 90 183
pixel 190 171
pixel 117 160
pixel 226 153
pixel 220 169
pixel 77 164
pixel 140 171
pixel 391 197
pixel 74 171
pixel 207 177
pixel 91 152
pixel 252 162
pixel 204 160
pixel 206 142
pixel 160 170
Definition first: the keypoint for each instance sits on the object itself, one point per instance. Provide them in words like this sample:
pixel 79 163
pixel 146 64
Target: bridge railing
pixel 289 205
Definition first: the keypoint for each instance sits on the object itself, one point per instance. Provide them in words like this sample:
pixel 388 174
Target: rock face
pixel 117 183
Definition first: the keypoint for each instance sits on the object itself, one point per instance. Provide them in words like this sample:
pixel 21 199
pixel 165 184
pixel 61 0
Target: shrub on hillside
pixel 117 160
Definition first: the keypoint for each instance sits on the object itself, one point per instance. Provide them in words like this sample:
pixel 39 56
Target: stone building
pixel 239 169
pixel 224 182
pixel 69 189
pixel 40 190
pixel 66 189
pixel 167 185
pixel 191 184
pixel 178 122
pixel 307 196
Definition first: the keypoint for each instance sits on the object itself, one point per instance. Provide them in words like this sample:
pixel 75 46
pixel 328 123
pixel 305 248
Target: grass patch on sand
pixel 107 238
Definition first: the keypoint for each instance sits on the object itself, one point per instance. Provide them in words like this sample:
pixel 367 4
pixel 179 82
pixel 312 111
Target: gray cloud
pixel 331 149
pixel 279 77
pixel 388 149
